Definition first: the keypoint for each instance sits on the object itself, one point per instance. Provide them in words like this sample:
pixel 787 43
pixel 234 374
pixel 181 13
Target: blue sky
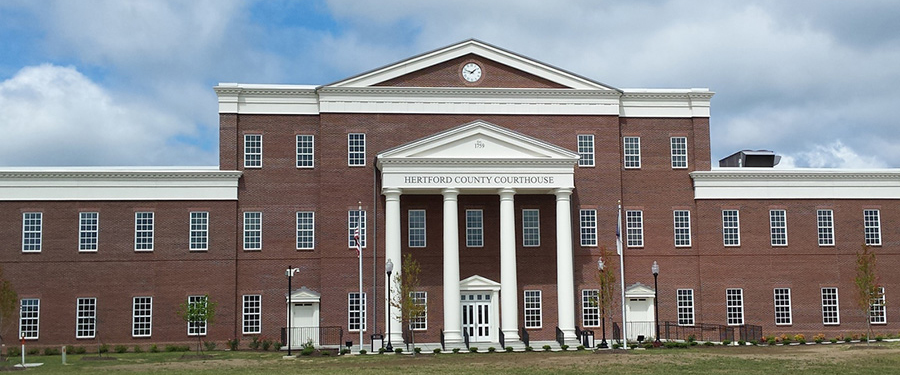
pixel 130 82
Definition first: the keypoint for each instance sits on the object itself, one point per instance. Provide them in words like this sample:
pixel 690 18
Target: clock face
pixel 471 72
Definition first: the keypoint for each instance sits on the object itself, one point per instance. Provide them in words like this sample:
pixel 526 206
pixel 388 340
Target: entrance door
pixel 640 318
pixel 305 324
pixel 476 312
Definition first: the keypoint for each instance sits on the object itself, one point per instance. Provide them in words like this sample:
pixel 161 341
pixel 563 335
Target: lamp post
pixel 655 269
pixel 290 275
pixel 602 301
pixel 388 268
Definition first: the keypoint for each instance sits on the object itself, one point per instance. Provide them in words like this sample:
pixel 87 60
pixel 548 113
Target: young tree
pixel 199 313
pixel 406 283
pixel 869 291
pixel 9 300
pixel 607 280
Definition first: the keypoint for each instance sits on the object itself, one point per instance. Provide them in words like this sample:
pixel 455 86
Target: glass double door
pixel 476 313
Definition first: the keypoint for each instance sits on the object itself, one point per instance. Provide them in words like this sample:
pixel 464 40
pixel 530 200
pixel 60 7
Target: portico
pixel 480 158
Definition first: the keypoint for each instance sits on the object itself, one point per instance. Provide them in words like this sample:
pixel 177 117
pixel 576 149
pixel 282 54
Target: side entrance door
pixel 305 324
pixel 476 312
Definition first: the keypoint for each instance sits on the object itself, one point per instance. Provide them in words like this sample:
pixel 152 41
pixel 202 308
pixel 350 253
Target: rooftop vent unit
pixel 751 158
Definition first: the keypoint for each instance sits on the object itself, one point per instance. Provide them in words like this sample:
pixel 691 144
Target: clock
pixel 471 72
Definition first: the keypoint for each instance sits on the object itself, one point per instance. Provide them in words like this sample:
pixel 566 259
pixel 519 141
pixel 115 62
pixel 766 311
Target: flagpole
pixel 621 274
pixel 359 255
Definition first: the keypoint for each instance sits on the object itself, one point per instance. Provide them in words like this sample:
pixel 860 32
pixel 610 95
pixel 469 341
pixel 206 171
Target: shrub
pixel 771 341
pixel 693 343
pixel 647 345
pixel 362 351
pixel 632 345
pixel 347 351
pixel 669 344
pixel 754 342
pixel 509 349
pixel 417 350
pixel 819 338
pixel 616 346
pixel 455 350
pixel 564 347
pixel 580 347
pixel 325 354
pixel 70 349
pixel 80 350
pixel 691 338
pixel 34 351
pixel 233 343
pixel 833 340
pixel 742 342
pixel 492 349
pixel 13 351
pixel 255 342
pixel 121 349
pixel 209 345
pixel 154 348
pixel 546 348
pixel 726 342
pixel 684 345
pixel 710 343
pixel 178 348
pixel 437 351
pixel 473 349
pixel 848 339
pixel 529 349
pixel 308 350
pixel 800 338
pixel 398 350
pixel 266 344
pixel 103 348
pixel 381 350
pixel 51 351
pixel 879 338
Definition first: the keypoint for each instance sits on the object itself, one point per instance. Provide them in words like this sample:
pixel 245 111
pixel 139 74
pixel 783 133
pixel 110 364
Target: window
pixel 825 221
pixel 474 228
pixel 199 230
pixel 306 230
pixel 783 306
pixel 356 219
pixel 685 307
pixel 778 227
pixel 632 152
pixel 252 321
pixel 872 221
pixel 416 228
pixel 31 231
pixel 586 150
pixel 304 151
pixel 734 300
pixel 679 152
pixel 533 309
pixel 253 150
pixel 420 321
pixel 356 149
pixel 252 230
pixel 634 228
pixel 86 318
pixel 830 313
pixel 590 309
pixel 356 312
pixel 876 310
pixel 29 318
pixel 531 228
pixel 143 231
pixel 196 328
pixel 682 228
pixel 142 316
pixel 731 228
pixel 88 231
pixel 588 219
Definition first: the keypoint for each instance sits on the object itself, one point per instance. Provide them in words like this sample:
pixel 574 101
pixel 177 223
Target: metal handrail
pixel 442 340
pixel 502 339
pixel 324 336
pixel 525 338
pixel 466 337
pixel 560 338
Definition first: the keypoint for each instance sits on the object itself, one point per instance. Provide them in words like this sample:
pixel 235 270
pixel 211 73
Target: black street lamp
pixel 655 269
pixel 388 268
pixel 290 275
pixel 600 267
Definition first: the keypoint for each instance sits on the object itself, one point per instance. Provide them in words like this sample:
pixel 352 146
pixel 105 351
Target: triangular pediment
pixel 550 76
pixel 639 290
pixel 478 140
pixel 478 283
pixel 305 294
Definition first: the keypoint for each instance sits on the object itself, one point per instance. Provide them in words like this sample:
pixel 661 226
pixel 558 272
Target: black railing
pixel 502 339
pixel 319 336
pixel 466 337
pixel 577 333
pixel 525 338
pixel 616 333
pixel 560 337
pixel 442 340
pixel 710 332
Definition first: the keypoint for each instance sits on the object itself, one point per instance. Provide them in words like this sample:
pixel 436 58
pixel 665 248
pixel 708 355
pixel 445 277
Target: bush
pixel 509 349
pixel 833 340
pixel 546 348
pixel 848 339
pixel 879 338
pixel 580 347
pixel 684 345
pixel 121 349
pixel 670 344
pixel 742 342
pixel 710 343
pixel 726 342
pixel 417 350
pixel 178 348
pixel 647 345
pixel 693 343
pixel 564 347
pixel 819 338
pixel 473 349
pixel 455 350
pixel 308 350
pixel 492 349
pixel 436 351
pixel 800 338
pixel 154 348
pixel 13 351
pixel 209 345
pixel 616 346
pixel 51 351
pixel 754 342
pixel 266 344
pixel 255 342
pixel 233 343
pixel 529 349
pixel 326 353
pixel 381 350
pixel 691 338
pixel 362 351
pixel 398 350
pixel 70 349
pixel 632 345
pixel 34 351
pixel 347 351
pixel 138 349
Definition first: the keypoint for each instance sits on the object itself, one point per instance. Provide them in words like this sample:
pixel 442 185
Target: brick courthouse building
pixel 499 174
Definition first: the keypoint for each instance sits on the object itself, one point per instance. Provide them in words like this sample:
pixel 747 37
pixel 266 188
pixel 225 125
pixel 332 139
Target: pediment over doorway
pixel 305 294
pixel 638 290
pixel 478 283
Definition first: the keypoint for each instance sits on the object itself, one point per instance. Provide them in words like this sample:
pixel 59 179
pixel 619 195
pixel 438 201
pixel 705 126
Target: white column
pixel 392 252
pixel 452 307
pixel 565 279
pixel 509 294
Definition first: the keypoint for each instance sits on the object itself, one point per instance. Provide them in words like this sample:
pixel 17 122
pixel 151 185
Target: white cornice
pixel 749 183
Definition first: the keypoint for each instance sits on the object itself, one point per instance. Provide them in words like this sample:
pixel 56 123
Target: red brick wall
pixel 449 74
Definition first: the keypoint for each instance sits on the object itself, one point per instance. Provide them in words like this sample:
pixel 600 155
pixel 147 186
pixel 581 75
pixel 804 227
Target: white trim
pixel 767 183
pixel 875 228
pixel 32 232
pixel 312 151
pixel 879 305
pixel 584 162
pixel 537 227
pixel 588 304
pixel 360 308
pixel 148 315
pixel 90 317
pixel 420 322
pixel 351 158
pixel 688 299
pixel 634 228
pixel 591 231
pixel 410 228
pixel 626 152
pixel 736 228
pixel 201 327
pixel 312 230
pixel 36 318
pixel 539 310
pixel 479 228
pixel 837 309
pixel 202 230
pixel 790 315
pixel 738 299
pixel 686 229
pixel 825 227
pixel 675 156
pixel 248 152
pixel 772 227
pixel 93 242
pixel 254 312
pixel 144 243
pixel 249 233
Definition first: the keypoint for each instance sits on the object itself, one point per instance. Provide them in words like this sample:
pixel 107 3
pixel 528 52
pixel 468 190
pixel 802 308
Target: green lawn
pixel 878 358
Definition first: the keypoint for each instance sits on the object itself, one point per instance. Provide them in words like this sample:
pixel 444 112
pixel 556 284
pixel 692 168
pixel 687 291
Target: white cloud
pixel 832 155
pixel 56 116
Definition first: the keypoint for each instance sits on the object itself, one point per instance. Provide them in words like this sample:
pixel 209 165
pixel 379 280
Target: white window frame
pixel 306 230
pixel 142 316
pixel 685 298
pixel 632 152
pixel 585 150
pixel 831 312
pixel 251 317
pixel 634 228
pixel 682 227
pixel 825 225
pixel 30 318
pixel 419 322
pixel 778 227
pixel 88 231
pixel 416 223
pixel 872 224
pixel 306 151
pixel 734 303
pixel 531 227
pixel 198 328
pixel 199 231
pixel 253 236
pixel 877 312
pixel 783 314
pixel 253 150
pixel 678 148
pixel 590 309
pixel 355 306
pixel 85 318
pixel 533 308
pixel 353 216
pixel 474 228
pixel 587 219
pixel 32 231
pixel 731 228
pixel 356 149
pixel 144 224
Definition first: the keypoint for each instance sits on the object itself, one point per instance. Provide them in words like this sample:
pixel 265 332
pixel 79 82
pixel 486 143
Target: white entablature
pixel 767 183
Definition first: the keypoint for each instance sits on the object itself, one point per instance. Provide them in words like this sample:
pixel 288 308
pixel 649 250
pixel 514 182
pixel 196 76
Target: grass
pixel 810 359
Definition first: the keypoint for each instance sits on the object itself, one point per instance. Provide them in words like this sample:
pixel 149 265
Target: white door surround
pixel 478 300
pixel 303 311
pixel 639 311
